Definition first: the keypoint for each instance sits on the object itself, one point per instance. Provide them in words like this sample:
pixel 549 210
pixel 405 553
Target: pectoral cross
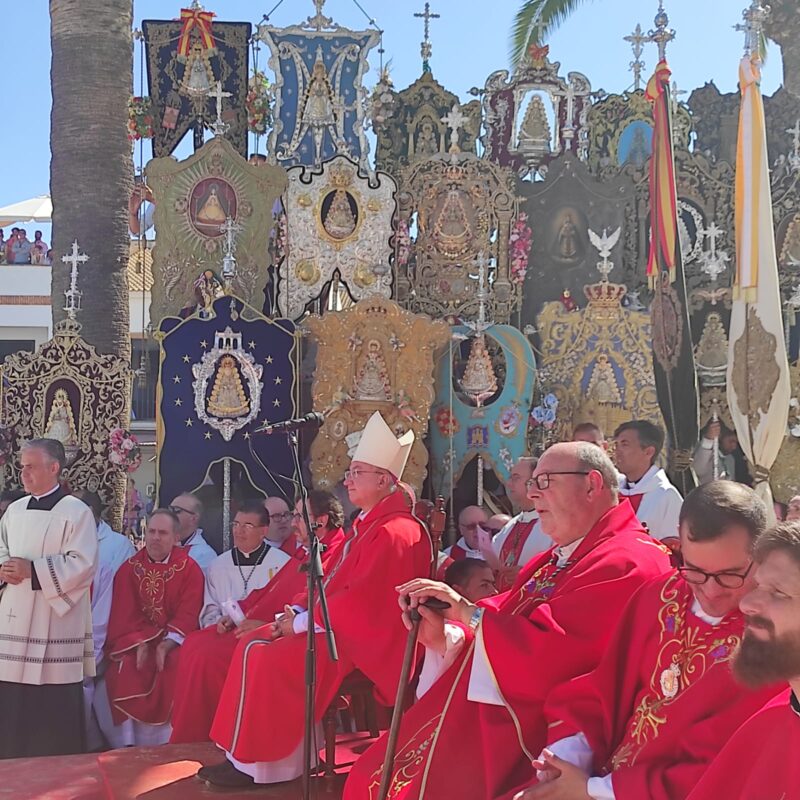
pixel 454 120
pixel 74 258
pixel 637 40
pixel 425 47
pixel 219 128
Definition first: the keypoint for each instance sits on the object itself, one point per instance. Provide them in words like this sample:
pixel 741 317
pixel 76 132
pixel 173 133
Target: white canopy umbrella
pixel 37 209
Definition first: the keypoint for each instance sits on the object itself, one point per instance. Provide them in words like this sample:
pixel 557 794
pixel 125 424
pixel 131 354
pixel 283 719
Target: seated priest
pixel 471 520
pixel 279 534
pixel 206 655
pixel 522 538
pixel 662 701
pixel 762 759
pixel 250 564
pixel 489 667
pixel 259 722
pixel 157 599
pixel 188 508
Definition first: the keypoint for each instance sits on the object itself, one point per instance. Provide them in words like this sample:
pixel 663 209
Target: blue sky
pixel 470 41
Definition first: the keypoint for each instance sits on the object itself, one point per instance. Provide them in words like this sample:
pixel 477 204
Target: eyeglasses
pixel 352 474
pixel 727 580
pixel 281 515
pixel 490 531
pixel 542 480
pixel 179 510
pixel 248 526
pixel 470 526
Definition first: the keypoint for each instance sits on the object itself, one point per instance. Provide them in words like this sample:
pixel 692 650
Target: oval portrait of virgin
pixel 211 202
pixel 339 214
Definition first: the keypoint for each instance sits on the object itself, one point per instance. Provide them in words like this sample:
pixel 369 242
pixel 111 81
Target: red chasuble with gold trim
pixel 762 759
pixel 149 601
pixel 206 655
pixel 663 701
pixel 551 626
pixel 389 547
pixel 511 551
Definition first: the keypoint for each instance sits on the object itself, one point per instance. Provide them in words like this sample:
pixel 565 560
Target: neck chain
pixel 259 559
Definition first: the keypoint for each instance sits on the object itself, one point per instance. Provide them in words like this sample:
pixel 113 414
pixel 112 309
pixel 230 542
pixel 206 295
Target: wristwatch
pixel 475 619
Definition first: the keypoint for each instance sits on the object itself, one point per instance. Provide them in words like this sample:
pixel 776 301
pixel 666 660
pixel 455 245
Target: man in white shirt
pixel 113 550
pixel 657 503
pixel 706 461
pixel 470 520
pixel 522 537
pixel 250 564
pixel 188 509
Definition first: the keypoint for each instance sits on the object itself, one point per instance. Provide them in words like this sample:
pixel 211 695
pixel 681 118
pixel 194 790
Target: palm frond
pixel 525 30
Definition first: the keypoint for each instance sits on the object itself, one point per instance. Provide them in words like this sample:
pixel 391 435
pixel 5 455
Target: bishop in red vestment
pixel 388 547
pixel 156 602
pixel 475 731
pixel 206 655
pixel 762 759
pixel 662 702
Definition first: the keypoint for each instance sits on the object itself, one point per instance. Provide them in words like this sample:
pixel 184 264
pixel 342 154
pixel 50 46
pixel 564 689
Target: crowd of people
pixel 611 640
pixel 19 249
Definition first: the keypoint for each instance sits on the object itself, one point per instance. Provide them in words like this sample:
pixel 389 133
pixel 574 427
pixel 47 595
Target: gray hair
pixel 52 448
pixel 591 457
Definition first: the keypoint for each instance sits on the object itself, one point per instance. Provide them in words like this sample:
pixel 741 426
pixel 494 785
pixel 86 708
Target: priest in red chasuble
pixel 206 655
pixel 662 702
pixel 489 667
pixel 259 722
pixel 156 602
pixel 761 761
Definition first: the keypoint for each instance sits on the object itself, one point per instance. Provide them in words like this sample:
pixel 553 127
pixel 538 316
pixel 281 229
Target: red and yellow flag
pixel 664 241
pixel 192 18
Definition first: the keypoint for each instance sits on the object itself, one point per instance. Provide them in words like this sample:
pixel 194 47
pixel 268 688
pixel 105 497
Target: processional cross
pixel 794 156
pixel 74 258
pixel 661 35
pixel 753 26
pixel 425 49
pixel 637 40
pixel 219 128
pixel 454 120
pixel 230 229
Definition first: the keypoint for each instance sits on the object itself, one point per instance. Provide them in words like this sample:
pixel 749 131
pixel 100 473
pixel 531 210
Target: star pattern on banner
pixel 189 445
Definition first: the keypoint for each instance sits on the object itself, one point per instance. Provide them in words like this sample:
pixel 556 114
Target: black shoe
pixel 224 775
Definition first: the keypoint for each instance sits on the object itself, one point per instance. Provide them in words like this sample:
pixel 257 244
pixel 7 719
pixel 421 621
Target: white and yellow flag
pixel 758 371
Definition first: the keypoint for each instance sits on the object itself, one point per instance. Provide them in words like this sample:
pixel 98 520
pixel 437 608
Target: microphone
pixel 311 420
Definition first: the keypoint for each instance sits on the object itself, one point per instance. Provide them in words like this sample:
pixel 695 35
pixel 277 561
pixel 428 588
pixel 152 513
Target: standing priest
pixel 48 547
pixel 388 547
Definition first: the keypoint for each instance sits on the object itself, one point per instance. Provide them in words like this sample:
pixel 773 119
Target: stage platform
pixel 152 773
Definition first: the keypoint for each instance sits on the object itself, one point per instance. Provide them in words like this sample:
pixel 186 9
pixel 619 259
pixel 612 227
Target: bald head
pixel 573 485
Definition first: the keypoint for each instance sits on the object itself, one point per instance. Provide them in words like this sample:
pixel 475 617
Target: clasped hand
pixel 15 570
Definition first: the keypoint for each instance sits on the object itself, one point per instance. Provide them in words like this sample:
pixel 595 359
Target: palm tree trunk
pixel 91 171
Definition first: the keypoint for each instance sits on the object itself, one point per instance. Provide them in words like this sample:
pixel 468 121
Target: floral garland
pixel 6 444
pixel 140 118
pixel 257 104
pixel 446 422
pixel 519 246
pixel 545 414
pixel 124 452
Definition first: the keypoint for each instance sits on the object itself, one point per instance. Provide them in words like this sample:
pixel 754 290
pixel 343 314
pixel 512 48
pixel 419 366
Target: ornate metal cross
pixel 74 258
pixel 219 127
pixel 425 49
pixel 231 229
pixel 794 156
pixel 637 40
pixel 713 261
pixel 454 120
pixel 753 26
pixel 661 35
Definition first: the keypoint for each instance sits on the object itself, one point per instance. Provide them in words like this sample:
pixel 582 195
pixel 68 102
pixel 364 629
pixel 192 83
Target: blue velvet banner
pixel 215 373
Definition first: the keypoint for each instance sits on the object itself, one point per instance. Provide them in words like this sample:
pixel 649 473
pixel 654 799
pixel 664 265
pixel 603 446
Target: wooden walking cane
pixel 436 525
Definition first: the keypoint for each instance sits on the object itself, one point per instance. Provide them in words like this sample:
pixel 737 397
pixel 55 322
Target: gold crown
pixel 605 294
pixel 341 176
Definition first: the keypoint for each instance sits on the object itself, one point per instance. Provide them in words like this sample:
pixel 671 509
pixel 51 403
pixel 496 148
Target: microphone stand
pixel 315 585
